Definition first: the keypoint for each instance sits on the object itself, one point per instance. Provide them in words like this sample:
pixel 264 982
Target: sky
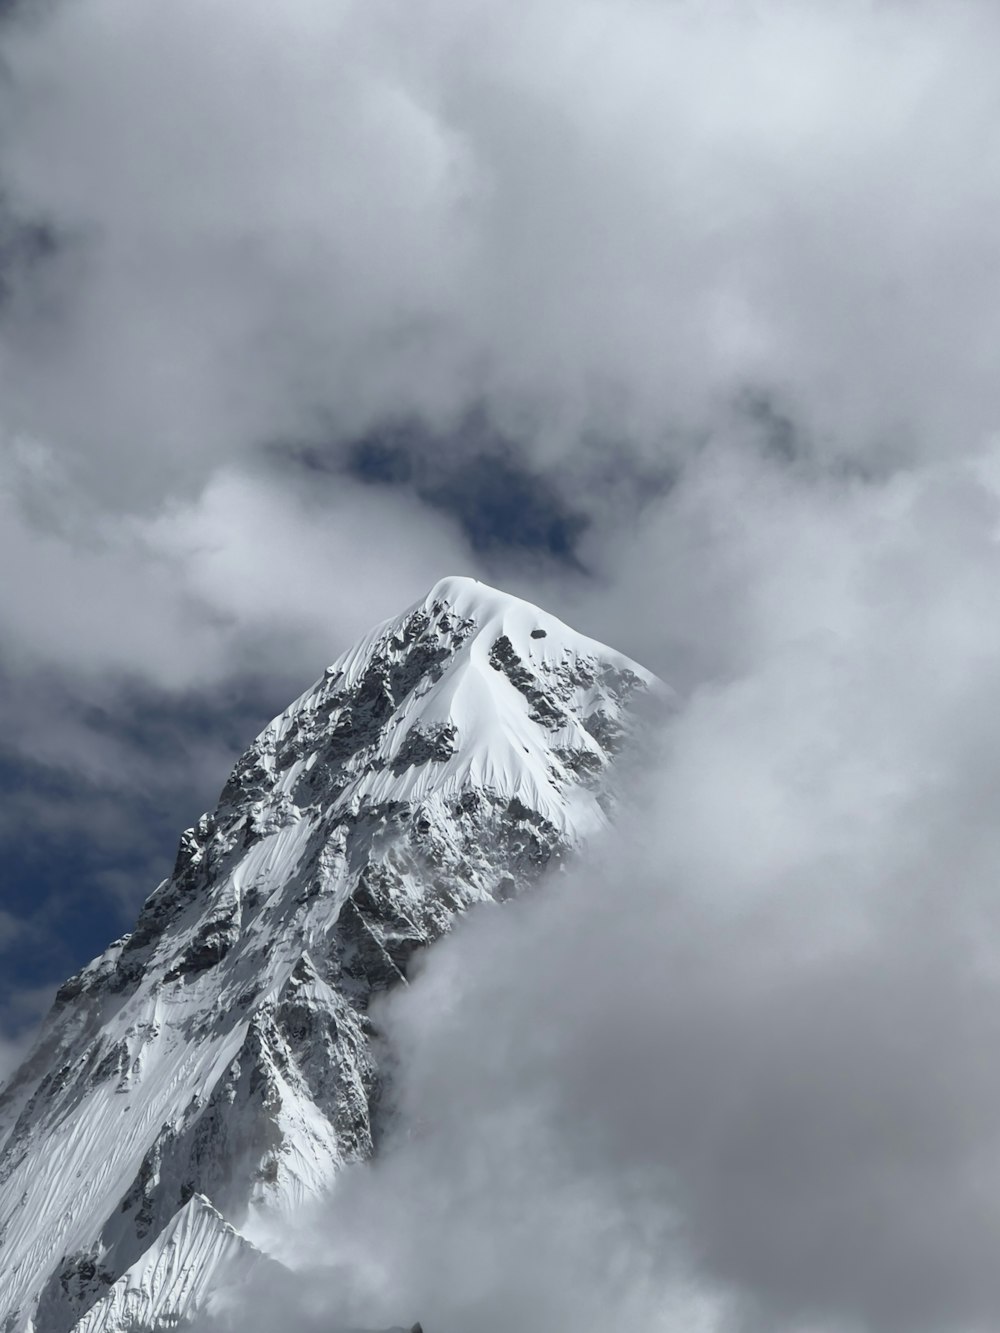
pixel 677 318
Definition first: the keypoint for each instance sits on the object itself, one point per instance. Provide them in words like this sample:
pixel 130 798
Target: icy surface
pixel 218 1063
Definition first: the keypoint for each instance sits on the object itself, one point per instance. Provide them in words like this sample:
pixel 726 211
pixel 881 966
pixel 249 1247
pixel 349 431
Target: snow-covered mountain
pixel 220 1063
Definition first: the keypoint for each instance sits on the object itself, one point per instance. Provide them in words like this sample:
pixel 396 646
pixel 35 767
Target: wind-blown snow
pixel 219 1063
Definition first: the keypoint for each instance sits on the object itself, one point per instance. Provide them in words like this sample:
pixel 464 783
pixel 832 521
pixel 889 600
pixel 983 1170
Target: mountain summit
pixel 217 1065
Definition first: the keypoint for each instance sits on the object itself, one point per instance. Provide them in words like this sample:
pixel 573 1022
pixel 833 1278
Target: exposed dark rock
pixel 503 658
pixel 424 747
pixel 72 1289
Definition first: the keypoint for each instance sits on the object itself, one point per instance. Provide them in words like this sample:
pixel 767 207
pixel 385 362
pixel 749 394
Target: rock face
pixel 219 1063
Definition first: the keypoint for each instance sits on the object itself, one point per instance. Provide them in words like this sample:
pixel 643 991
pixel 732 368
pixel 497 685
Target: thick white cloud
pixel 12 1051
pixel 605 221
pixel 738 1072
pixel 602 215
pixel 170 597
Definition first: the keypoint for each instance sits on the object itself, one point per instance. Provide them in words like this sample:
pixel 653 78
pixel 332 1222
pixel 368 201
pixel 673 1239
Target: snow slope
pixel 173 1278
pixel 219 1063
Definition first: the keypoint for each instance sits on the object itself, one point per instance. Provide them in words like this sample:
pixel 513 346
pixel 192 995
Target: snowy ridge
pixel 171 1281
pixel 218 1064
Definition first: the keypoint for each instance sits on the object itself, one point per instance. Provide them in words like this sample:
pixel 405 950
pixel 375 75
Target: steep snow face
pixel 220 1062
pixel 171 1281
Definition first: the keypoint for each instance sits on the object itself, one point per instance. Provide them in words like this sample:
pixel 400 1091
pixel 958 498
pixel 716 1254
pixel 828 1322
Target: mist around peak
pixel 735 1071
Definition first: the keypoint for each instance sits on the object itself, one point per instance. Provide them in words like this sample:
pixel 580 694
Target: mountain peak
pixel 471 597
pixel 473 686
pixel 493 609
pixel 223 1050
pixel 453 587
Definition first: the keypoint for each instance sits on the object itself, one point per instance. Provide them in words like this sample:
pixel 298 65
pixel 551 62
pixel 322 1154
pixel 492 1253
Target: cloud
pixel 141 653
pixel 615 230
pixel 596 218
pixel 172 597
pixel 20 1014
pixel 736 1072
pixel 10 929
pixel 10 1056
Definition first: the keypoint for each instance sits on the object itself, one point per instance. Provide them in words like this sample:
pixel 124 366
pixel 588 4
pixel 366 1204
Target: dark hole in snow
pixel 538 634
